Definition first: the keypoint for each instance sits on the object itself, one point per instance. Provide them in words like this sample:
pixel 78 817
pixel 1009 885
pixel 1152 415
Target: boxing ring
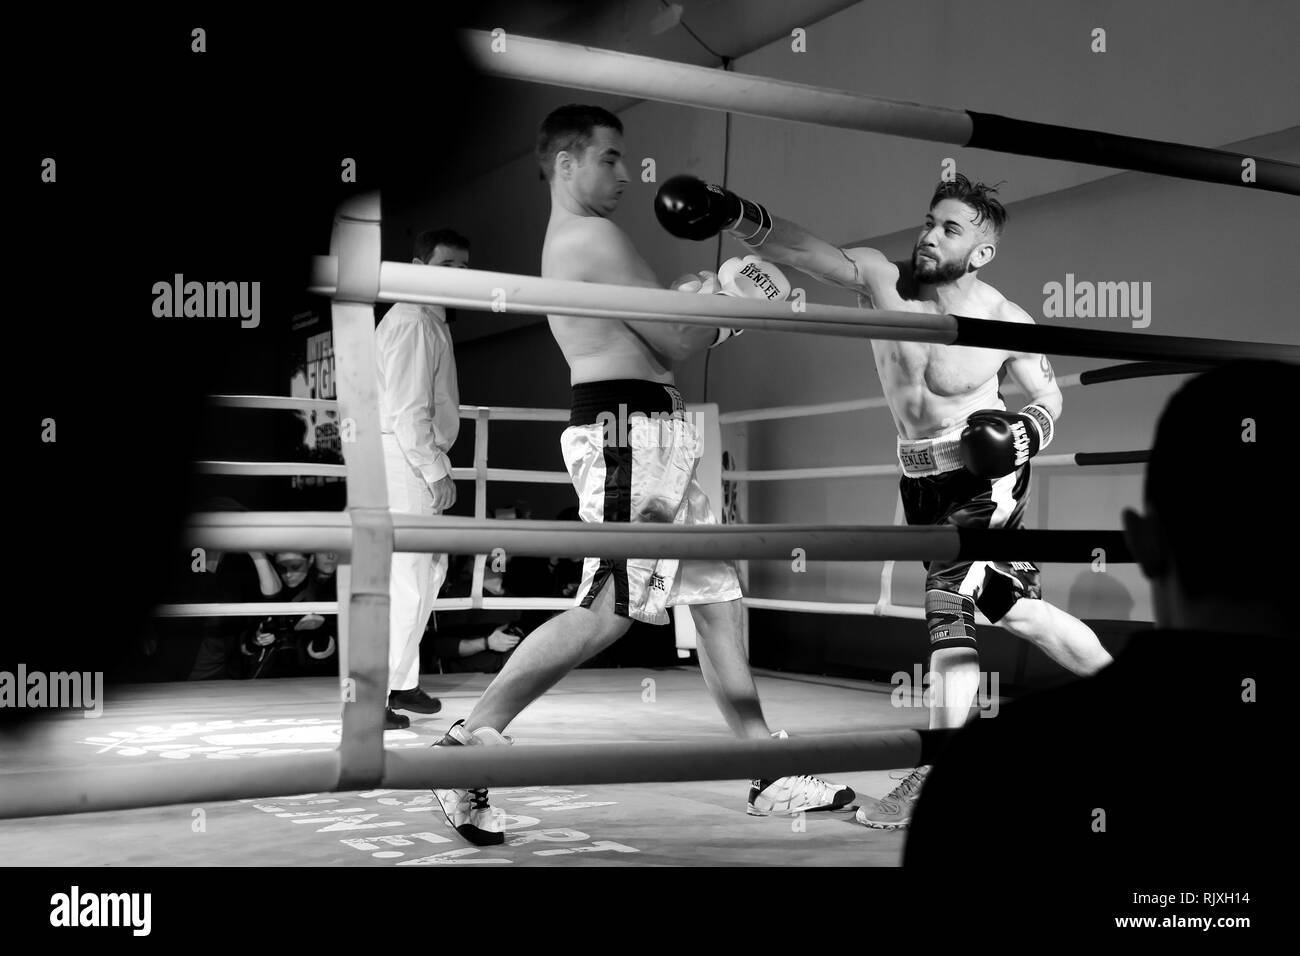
pixel 355 277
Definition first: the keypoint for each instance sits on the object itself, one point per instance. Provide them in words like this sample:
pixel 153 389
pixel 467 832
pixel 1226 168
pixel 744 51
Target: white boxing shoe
pixel 468 811
pixel 787 796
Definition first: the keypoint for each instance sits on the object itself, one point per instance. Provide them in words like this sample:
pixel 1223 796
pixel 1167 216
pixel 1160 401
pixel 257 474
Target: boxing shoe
pixel 894 811
pixel 394 720
pixel 787 796
pixel 414 700
pixel 468 811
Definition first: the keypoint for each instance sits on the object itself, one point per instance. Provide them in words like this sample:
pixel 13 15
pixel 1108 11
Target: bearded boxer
pixel 622 371
pixel 964 455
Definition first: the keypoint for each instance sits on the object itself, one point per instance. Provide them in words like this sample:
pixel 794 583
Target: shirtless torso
pixel 930 388
pixel 593 249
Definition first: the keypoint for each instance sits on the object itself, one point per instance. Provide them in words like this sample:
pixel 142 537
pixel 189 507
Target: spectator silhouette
pixel 204 648
pixel 1162 764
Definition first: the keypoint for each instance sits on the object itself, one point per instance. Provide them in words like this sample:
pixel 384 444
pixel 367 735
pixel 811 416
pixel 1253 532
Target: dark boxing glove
pixel 690 208
pixel 996 443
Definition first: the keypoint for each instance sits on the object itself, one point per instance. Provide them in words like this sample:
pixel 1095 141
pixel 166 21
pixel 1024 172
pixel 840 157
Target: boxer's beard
pixel 937 273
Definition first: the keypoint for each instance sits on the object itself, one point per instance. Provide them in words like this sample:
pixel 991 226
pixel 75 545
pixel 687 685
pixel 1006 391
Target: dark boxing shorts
pixel 956 497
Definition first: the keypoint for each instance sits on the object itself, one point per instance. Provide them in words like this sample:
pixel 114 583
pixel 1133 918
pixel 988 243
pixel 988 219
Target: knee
pixel 950 618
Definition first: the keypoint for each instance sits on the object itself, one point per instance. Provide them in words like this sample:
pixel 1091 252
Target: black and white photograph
pixel 644 435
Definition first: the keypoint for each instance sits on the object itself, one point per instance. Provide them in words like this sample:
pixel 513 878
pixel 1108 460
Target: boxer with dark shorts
pixel 962 500
pixel 964 454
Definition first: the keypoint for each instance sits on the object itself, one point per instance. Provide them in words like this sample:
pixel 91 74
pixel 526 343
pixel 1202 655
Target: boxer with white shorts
pixel 621 372
pixel 647 474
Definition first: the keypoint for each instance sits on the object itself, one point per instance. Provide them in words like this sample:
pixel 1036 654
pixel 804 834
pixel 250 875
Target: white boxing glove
pixel 703 282
pixel 750 278
pixel 753 278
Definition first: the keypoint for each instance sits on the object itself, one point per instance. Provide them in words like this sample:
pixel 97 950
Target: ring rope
pixel 605 71
pixel 530 295
pixel 330 531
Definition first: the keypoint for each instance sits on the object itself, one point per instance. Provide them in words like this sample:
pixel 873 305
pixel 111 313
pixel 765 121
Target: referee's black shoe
pixel 414 700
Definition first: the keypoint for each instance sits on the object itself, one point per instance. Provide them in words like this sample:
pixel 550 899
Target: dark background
pixel 223 166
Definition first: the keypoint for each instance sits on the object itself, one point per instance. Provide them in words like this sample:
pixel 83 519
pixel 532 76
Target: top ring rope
pixel 604 71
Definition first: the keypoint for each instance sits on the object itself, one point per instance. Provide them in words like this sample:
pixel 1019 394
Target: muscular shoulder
pixel 573 247
pixel 1004 310
pixel 584 229
pixel 595 250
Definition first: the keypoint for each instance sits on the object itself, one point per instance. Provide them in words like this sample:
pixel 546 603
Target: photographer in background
pixel 284 645
pixel 477 655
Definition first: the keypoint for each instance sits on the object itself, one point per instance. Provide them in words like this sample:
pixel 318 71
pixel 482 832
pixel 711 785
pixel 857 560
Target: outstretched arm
pixel 690 208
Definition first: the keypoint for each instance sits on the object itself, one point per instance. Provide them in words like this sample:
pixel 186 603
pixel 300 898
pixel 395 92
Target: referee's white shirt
pixel 419 401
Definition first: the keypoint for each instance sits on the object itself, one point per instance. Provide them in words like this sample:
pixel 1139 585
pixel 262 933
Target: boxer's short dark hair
pixel 1224 501
pixel 976 195
pixel 431 239
pixel 569 129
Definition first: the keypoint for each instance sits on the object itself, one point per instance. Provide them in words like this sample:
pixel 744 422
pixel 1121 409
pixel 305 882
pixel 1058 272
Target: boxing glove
pixel 752 278
pixel 996 442
pixel 690 208
pixel 749 278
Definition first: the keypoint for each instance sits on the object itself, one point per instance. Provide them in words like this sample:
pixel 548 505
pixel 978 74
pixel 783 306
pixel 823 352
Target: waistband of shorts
pixel 921 457
pixel 622 398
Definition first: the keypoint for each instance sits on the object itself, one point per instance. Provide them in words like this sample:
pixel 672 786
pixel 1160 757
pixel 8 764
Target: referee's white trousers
pixel 416 578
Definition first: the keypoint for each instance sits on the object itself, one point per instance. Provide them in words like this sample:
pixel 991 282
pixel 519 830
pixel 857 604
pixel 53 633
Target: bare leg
pixel 545 656
pixel 954 681
pixel 1061 636
pixel 726 668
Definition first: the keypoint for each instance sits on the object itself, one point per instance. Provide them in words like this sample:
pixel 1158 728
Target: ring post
pixel 355 244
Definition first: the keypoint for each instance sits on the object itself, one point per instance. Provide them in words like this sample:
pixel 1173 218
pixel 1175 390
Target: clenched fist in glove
pixel 996 443
pixel 750 278
pixel 747 278
pixel 690 208
pixel 753 278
